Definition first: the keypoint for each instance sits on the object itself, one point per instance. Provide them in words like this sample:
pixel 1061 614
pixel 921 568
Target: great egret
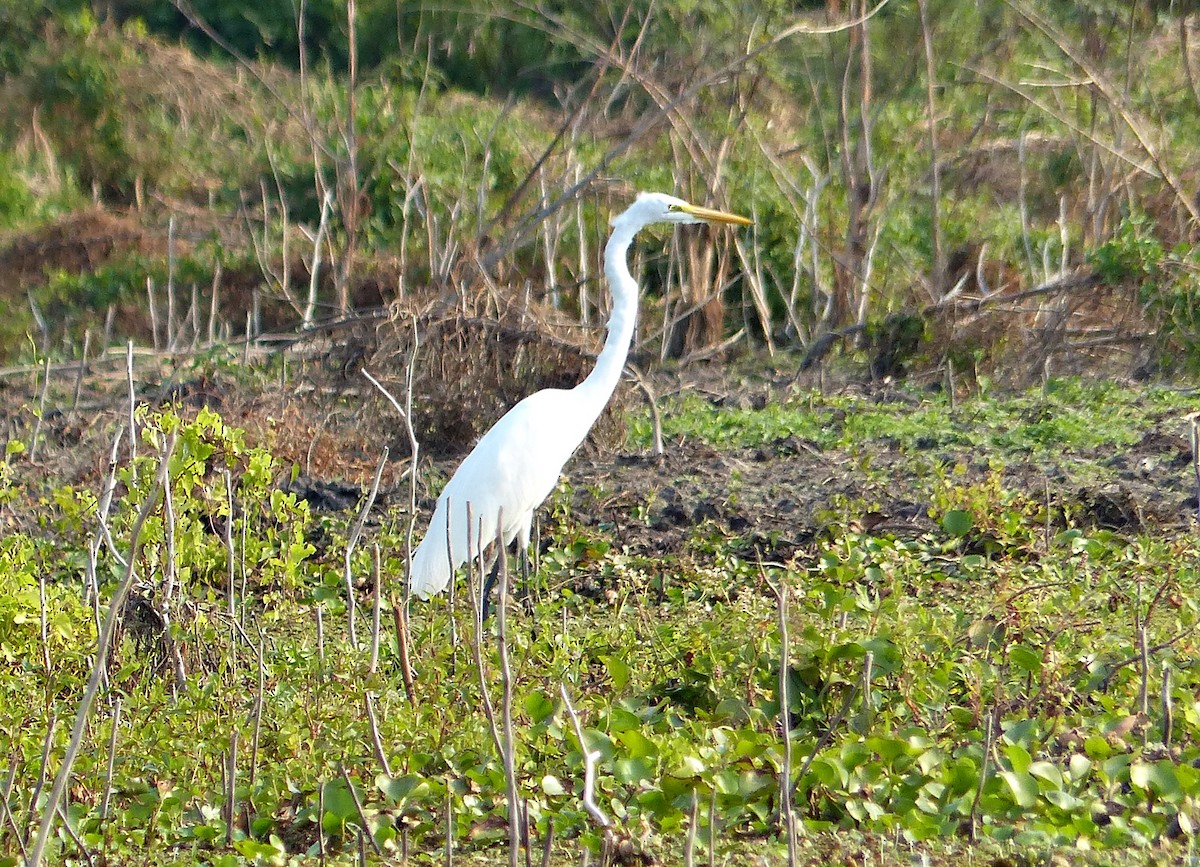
pixel 516 464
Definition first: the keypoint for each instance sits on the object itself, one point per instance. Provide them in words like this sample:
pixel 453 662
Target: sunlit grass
pixel 673 662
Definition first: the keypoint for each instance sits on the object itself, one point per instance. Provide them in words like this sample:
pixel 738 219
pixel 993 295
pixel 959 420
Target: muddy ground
pixel 777 498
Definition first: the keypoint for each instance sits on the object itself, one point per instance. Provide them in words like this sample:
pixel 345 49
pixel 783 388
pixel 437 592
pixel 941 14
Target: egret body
pixel 516 464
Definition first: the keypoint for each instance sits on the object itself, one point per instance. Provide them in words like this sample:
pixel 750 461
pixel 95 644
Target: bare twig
pixel 785 723
pixel 41 413
pixel 506 701
pixel 400 615
pixel 8 817
pixel 230 552
pixel 1194 431
pixel 362 816
pixel 652 401
pixel 112 756
pixel 259 698
pixel 231 786
pixel 937 267
pixel 376 740
pixel 1168 707
pixel 102 646
pixel 983 775
pixel 351 543
pixel 376 605
pixel 689 845
pixel 589 766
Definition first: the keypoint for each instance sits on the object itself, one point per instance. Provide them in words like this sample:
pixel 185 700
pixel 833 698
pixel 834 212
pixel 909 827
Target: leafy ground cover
pixel 991 611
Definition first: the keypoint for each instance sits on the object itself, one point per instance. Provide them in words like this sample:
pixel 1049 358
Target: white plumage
pixel 516 464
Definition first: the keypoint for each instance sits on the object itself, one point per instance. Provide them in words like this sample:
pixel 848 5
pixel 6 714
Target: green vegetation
pixel 991 589
pixel 1065 416
pixel 1000 611
pixel 444 159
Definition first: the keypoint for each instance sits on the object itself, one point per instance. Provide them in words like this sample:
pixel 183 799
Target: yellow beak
pixel 711 216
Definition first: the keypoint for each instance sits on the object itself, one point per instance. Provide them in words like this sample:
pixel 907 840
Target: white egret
pixel 516 464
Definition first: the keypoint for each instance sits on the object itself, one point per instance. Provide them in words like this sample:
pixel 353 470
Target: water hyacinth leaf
pixel 600 743
pixel 398 789
pixel 1025 658
pixel 1158 777
pixel 637 745
pixel 957 522
pixel 687 766
pixel 1018 757
pixel 633 771
pixel 618 670
pixel 620 720
pixel 1048 772
pixel 726 782
pixel 1079 767
pixel 539 707
pixel 1023 786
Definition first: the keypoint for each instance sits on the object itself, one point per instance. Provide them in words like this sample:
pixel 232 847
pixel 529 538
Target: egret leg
pixel 526 598
pixel 489 585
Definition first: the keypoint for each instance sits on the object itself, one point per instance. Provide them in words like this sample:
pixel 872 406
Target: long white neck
pixel 602 381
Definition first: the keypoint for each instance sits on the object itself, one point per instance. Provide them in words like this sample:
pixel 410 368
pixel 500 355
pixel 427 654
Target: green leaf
pixel 1023 786
pixel 1018 757
pixel 633 771
pixel 687 766
pixel 1079 767
pixel 1048 772
pixel 957 522
pixel 1158 777
pixel 618 670
pixel 338 801
pixel 552 786
pixel 620 720
pixel 539 707
pixel 638 745
pixel 1025 658
pixel 399 789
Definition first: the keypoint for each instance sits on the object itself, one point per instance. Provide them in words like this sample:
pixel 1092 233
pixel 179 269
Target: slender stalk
pixel 41 413
pixel 377 604
pixel 81 371
pixel 477 633
pixel 506 702
pixel 259 698
pixel 712 827
pixel 66 823
pixel 935 233
pixel 400 615
pixel 589 766
pixel 689 846
pixel 103 644
pixel 133 431
pixel 112 756
pixel 47 743
pixel 785 723
pixel 376 740
pixel 362 816
pixel 230 552
pixel 352 543
pixel 983 775
pixel 1168 708
pixel 231 787
pixel 548 843
pixel 1194 429
pixel 45 626
pixel 8 817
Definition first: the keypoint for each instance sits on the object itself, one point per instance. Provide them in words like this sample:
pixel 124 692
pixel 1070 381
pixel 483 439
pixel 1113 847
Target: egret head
pixel 661 208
